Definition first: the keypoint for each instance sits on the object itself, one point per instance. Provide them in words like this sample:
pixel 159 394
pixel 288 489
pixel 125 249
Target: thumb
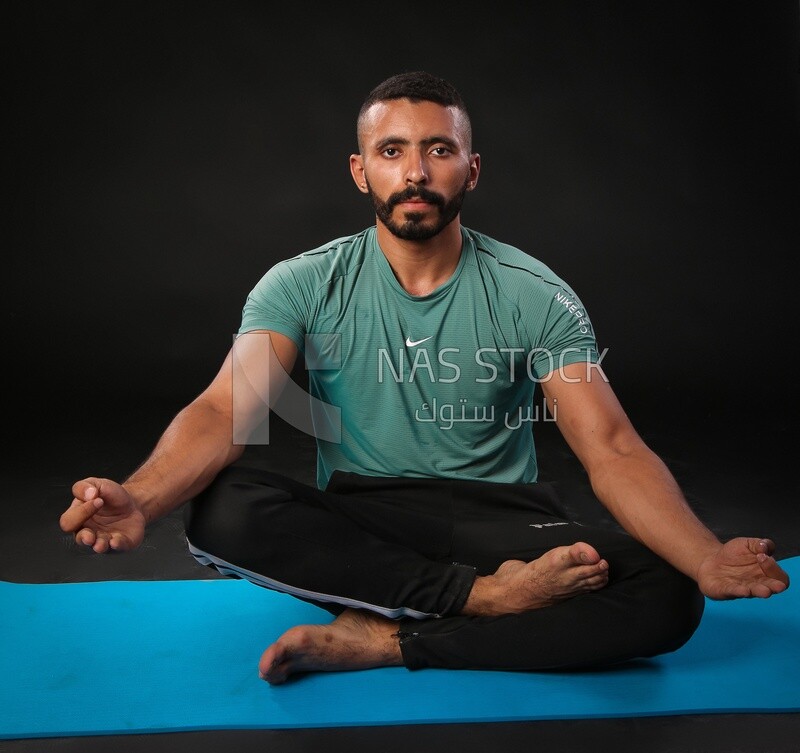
pixel 88 488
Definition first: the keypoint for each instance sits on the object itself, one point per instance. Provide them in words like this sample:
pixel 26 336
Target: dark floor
pixel 736 472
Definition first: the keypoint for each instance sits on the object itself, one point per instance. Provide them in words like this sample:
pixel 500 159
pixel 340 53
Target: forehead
pixel 413 122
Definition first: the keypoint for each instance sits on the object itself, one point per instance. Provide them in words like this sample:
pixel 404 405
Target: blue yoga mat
pixel 142 656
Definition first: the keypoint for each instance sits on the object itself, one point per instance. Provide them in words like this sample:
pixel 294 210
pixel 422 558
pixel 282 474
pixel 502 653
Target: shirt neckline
pixel 388 273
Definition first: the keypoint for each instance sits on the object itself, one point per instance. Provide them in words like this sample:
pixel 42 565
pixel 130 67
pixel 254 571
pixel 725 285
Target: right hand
pixel 103 515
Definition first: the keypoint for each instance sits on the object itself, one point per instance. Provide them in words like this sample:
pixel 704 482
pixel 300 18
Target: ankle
pixel 482 598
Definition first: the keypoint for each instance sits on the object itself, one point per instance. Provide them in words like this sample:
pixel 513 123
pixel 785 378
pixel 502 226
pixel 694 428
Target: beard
pixel 413 227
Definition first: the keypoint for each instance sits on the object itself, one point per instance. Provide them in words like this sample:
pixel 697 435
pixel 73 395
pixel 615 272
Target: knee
pixel 206 521
pixel 671 612
pixel 236 512
pixel 218 518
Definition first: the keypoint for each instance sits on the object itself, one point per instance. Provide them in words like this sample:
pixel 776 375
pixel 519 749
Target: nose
pixel 416 167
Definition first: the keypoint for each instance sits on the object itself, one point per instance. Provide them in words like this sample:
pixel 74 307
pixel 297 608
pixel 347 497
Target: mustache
pixel 415 192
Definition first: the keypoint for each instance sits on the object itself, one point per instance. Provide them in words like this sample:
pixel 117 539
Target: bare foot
pixel 356 639
pixel 518 586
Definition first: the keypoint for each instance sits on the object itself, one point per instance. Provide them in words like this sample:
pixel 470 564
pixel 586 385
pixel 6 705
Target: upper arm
pixel 251 379
pixel 589 415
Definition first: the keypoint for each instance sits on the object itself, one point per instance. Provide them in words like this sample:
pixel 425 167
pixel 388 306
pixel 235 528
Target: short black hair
pixel 417 86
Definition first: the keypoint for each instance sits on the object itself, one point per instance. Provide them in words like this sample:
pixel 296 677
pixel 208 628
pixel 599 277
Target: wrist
pixel 141 500
pixel 709 552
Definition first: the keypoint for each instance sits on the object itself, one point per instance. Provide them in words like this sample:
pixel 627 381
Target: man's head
pixel 415 158
pixel 417 86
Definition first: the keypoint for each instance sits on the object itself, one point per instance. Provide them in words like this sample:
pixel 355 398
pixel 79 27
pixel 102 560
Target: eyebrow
pixel 389 140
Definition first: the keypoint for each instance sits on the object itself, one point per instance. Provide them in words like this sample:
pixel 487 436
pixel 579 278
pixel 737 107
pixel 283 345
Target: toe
pixel 584 554
pixel 269 660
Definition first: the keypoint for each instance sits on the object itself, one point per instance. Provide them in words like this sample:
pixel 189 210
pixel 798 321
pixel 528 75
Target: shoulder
pixel 318 267
pixel 332 259
pixel 515 269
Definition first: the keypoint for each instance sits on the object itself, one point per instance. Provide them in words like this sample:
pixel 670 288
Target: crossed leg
pixel 537 592
pixel 358 639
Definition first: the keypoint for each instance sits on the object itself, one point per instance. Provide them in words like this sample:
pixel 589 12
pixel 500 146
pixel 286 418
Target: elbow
pixel 615 453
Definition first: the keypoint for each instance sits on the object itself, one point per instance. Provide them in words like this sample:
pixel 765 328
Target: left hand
pixel 742 568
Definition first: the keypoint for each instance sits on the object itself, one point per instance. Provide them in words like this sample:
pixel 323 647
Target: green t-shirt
pixel 440 385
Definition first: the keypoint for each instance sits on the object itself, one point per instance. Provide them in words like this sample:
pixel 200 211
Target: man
pixel 428 535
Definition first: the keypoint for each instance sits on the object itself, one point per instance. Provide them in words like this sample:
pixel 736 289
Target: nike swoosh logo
pixel 411 343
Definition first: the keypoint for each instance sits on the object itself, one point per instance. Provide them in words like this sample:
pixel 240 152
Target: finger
pixel 101 544
pixel 761 591
pixel 761 546
pixel 118 542
pixel 770 586
pixel 730 591
pixel 767 546
pixel 78 513
pixel 773 570
pixel 774 587
pixel 85 537
pixel 81 488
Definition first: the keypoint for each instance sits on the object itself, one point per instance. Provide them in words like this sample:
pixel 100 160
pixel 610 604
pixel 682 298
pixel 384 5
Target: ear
pixel 474 171
pixel 357 171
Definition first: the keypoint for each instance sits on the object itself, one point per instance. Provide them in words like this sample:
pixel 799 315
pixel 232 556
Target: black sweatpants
pixel 410 549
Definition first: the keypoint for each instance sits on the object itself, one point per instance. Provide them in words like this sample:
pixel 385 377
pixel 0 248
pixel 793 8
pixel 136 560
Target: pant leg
pixel 340 549
pixel 647 608
pixel 411 547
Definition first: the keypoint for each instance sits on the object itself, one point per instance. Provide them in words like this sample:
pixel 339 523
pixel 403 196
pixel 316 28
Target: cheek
pixel 458 182
pixel 381 174
pixel 381 184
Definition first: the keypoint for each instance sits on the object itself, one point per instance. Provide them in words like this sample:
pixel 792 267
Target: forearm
pixel 196 445
pixel 644 497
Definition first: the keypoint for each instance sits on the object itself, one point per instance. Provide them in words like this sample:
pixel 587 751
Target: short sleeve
pixel 277 303
pixel 566 335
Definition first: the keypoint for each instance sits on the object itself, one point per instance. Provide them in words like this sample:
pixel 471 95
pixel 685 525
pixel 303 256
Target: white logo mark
pixel 411 343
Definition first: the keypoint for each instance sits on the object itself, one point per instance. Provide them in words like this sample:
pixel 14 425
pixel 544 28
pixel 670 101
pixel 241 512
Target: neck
pixel 422 266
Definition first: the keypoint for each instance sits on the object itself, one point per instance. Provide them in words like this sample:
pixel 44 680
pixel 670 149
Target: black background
pixel 160 156
pixel 164 155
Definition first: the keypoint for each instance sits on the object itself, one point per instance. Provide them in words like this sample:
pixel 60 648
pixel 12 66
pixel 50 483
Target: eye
pixel 390 151
pixel 440 151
